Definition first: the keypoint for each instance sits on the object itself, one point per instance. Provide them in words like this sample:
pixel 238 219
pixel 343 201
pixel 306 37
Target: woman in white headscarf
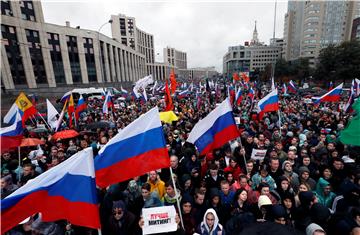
pixel 210 224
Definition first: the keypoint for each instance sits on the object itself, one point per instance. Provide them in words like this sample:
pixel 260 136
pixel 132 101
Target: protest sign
pixel 258 154
pixel 159 219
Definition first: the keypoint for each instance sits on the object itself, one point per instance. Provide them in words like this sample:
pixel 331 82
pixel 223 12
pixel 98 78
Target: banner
pixel 159 219
pixel 258 154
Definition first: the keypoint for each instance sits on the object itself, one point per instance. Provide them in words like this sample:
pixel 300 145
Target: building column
pixel 65 58
pixel 106 61
pixel 82 60
pixel 47 58
pixel 5 70
pixel 122 64
pixel 97 55
pixel 127 78
pixel 117 65
pixel 113 79
pixel 26 59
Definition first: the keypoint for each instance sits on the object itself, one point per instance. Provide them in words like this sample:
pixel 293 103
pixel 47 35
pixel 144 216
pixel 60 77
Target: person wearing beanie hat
pixel 302 214
pixel 263 211
pixel 314 229
pixel 290 174
pixel 278 213
pixel 304 177
pixel 187 203
pixel 121 221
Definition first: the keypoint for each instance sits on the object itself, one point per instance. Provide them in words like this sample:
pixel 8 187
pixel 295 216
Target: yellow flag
pixel 168 117
pixel 23 102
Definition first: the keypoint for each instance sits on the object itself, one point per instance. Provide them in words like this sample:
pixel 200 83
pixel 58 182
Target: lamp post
pixel 101 62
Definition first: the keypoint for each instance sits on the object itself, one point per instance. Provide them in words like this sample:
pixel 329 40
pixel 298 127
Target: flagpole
pixel 177 198
pixel 44 121
pixel 19 156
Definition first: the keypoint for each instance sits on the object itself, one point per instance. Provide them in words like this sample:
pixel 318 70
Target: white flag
pixel 51 114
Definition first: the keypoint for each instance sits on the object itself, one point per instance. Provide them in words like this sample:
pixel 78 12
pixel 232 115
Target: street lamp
pixel 101 62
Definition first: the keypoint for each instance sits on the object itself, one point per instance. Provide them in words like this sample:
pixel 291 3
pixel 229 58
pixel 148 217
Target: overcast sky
pixel 204 30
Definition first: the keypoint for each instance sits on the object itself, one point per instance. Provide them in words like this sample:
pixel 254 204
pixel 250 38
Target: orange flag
pixel 168 100
pixel 173 81
pixel 245 77
pixel 236 77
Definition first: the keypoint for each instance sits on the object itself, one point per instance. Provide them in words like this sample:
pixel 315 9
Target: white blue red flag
pixel 330 96
pixel 66 191
pixel 215 130
pixel 138 148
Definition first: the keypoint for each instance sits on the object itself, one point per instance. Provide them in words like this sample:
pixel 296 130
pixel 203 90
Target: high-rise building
pixel 313 25
pixel 255 56
pixel 175 58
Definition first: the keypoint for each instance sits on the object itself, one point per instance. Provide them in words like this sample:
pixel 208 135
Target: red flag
pixel 71 109
pixel 236 77
pixel 173 81
pixel 168 99
pixel 245 77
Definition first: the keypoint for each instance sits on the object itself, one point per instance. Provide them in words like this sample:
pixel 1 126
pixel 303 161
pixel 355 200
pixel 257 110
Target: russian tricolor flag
pixel 291 87
pixel 138 148
pixel 108 103
pixel 66 96
pixel 183 93
pixel 284 89
pixel 238 97
pixel 67 191
pixel 331 96
pixel 215 130
pixel 11 136
pixel 269 103
pixel 80 107
pixel 251 94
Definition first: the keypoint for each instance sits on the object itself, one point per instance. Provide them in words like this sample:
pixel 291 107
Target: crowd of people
pixel 308 182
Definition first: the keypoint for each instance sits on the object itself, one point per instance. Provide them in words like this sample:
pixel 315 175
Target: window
pixel 29 5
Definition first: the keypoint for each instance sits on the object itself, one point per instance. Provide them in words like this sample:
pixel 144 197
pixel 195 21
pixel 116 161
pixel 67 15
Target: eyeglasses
pixel 117 212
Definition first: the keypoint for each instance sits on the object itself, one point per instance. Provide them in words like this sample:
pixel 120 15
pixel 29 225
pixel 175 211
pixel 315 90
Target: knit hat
pixel 187 198
pixel 119 204
pixel 284 163
pixel 264 201
pixel 303 169
pixel 278 211
pixel 306 198
pixel 312 228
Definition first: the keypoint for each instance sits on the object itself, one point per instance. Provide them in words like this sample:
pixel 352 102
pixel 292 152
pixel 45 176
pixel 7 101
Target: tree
pixel 339 63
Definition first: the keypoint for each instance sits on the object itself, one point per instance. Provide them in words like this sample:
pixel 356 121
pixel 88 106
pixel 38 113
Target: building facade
pixel 254 56
pixel 313 25
pixel 355 32
pixel 175 58
pixel 197 73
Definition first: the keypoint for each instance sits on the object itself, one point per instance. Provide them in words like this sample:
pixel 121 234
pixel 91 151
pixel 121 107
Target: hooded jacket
pixel 217 228
pixel 323 199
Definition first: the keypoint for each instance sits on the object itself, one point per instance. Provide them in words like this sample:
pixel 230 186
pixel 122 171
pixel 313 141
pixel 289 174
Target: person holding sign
pixel 210 224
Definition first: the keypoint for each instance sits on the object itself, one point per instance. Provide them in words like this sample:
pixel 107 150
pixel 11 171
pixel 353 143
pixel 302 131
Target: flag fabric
pixel 349 103
pixel 66 96
pixel 251 94
pixel 11 136
pixel 238 97
pixel 231 94
pixel 356 86
pixel 330 96
pixel 236 77
pixel 245 76
pixel 284 89
pixel 71 110
pixel 144 95
pixel 183 94
pixel 66 191
pixel 107 103
pixel 80 107
pixel 154 87
pixel 168 100
pixel 269 103
pixel 351 134
pixel 61 115
pixel 215 130
pixel 168 117
pixel 51 114
pixel 138 148
pixel 142 84
pixel 10 116
pixel 331 85
pixel 124 93
pixel 272 84
pixel 25 107
pixel 291 87
pixel 173 81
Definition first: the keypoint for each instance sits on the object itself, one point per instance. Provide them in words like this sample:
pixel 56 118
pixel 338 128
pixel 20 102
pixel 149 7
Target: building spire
pixel 255 39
